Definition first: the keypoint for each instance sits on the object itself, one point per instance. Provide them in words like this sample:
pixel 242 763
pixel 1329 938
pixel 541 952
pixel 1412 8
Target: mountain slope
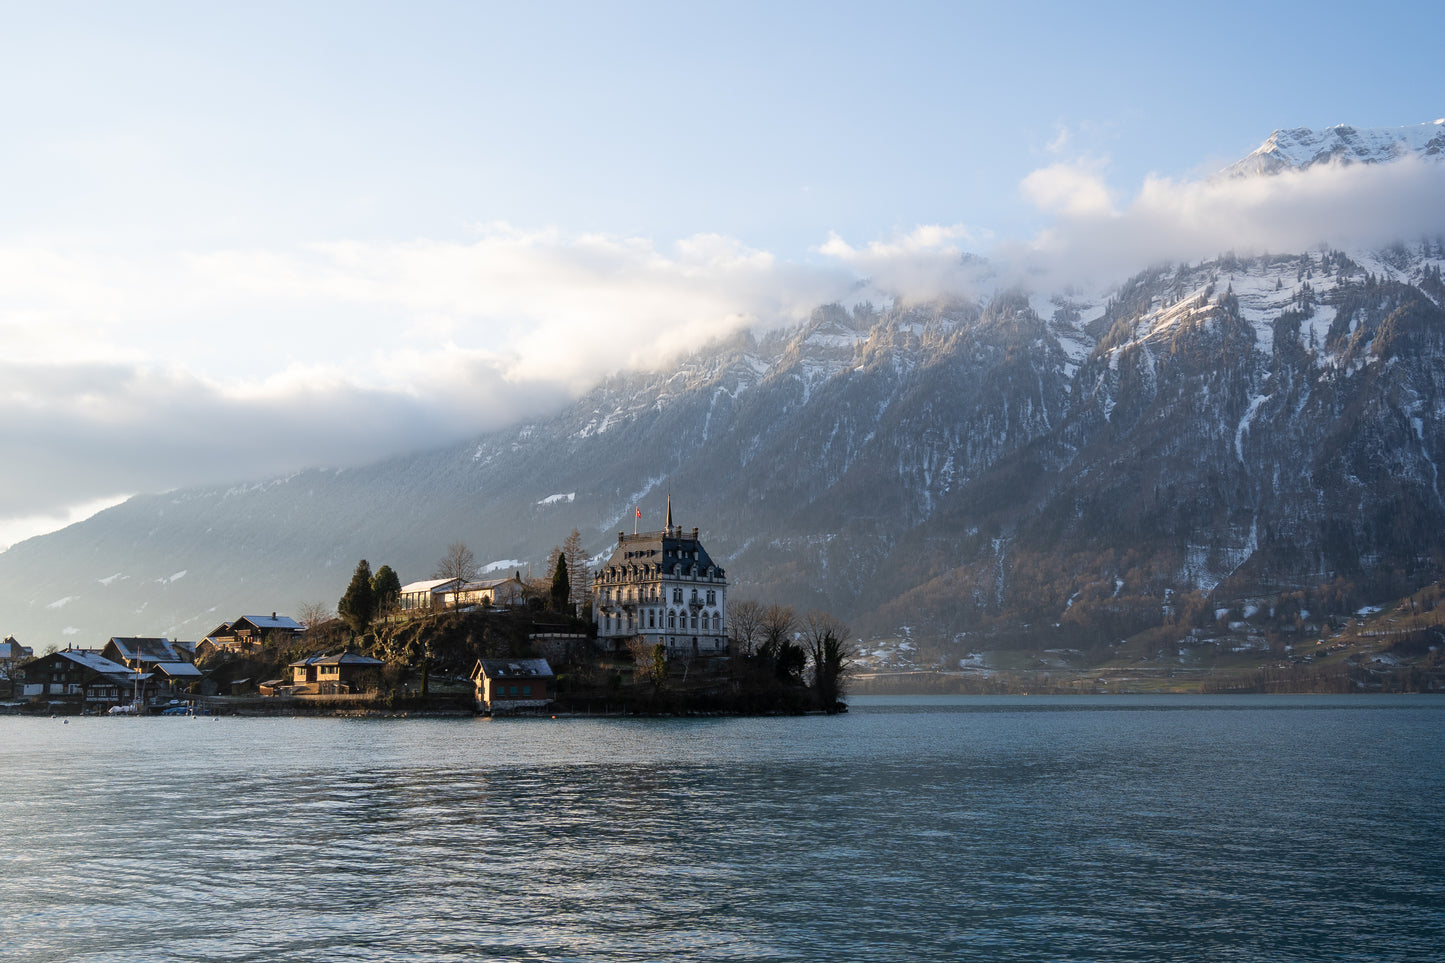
pixel 1231 434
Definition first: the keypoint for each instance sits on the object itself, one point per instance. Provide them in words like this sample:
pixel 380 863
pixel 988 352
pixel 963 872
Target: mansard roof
pixel 666 548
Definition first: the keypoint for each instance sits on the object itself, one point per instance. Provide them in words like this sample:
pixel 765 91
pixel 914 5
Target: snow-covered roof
pixel 94 661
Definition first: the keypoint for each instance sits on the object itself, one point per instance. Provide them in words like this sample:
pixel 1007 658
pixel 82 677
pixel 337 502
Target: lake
pixel 1093 828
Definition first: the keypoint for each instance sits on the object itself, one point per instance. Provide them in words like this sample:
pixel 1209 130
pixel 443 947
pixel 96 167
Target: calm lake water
pixel 1109 828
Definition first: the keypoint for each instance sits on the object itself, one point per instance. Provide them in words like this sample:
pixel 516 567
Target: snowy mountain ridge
pixel 1302 147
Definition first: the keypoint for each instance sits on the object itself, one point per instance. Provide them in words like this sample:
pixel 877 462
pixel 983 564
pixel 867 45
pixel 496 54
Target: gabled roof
pixel 340 658
pixel 95 662
pixel 177 670
pixel 145 649
pixel 486 583
pixel 269 623
pixel 223 629
pixel 347 658
pixel 430 585
pixel 512 669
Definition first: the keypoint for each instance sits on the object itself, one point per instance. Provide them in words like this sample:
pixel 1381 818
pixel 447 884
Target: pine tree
pixel 358 606
pixel 385 590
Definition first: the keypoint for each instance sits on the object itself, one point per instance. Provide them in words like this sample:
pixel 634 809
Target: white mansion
pixel 663 587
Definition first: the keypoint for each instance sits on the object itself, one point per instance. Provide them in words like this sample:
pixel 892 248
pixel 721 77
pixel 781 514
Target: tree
pixel 823 637
pixel 458 563
pixel 650 660
pixel 745 626
pixel 312 614
pixel 358 606
pixel 777 624
pixel 386 588
pixel 578 573
pixel 561 586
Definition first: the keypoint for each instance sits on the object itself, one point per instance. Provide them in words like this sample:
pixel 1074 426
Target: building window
pixel 712 596
pixel 672 620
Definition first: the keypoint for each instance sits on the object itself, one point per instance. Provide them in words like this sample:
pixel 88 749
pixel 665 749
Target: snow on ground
pixel 505 563
pixel 554 499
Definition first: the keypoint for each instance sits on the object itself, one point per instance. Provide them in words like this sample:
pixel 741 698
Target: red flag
pixel 639 513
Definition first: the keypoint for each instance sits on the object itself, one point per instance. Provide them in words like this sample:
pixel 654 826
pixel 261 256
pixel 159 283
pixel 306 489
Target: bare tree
pixel 778 624
pixel 745 626
pixel 312 614
pixel 651 660
pixel 578 574
pixel 823 638
pixel 458 563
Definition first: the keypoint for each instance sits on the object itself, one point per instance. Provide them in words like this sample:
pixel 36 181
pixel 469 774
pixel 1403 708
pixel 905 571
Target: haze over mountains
pixel 1017 465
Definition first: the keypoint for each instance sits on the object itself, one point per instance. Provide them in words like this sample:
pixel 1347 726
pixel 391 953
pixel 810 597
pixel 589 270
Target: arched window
pixel 672 620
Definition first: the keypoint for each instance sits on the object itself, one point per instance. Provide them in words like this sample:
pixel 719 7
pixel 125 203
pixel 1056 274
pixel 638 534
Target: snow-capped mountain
pixel 1269 428
pixel 1302 147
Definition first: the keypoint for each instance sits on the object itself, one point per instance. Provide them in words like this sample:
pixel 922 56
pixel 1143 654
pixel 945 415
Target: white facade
pixel 663 587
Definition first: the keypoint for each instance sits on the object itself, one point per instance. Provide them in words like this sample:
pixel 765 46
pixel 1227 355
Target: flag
pixel 639 513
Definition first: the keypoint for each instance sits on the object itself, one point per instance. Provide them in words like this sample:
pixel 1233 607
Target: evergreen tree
pixel 385 590
pixel 358 606
pixel 561 586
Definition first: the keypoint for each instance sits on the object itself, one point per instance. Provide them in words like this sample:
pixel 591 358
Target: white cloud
pixel 928 262
pixel 155 371
pixel 1071 189
pixel 1358 205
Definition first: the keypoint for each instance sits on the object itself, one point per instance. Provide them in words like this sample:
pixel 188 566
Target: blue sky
pixel 266 224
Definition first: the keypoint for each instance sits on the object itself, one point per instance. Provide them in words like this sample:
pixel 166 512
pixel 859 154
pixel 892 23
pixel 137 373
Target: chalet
pixel 146 653
pixel 323 674
pixel 662 587
pixel 177 677
pixel 248 631
pixel 86 676
pixel 504 685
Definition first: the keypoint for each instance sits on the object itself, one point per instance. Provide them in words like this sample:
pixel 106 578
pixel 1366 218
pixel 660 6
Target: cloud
pixel 1071 189
pixel 930 261
pixel 150 372
pixel 1345 206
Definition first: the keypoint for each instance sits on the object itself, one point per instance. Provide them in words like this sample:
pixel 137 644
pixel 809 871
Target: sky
pixel 240 240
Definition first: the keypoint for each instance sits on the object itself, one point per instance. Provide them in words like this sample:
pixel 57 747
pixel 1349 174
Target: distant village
pixel 648 631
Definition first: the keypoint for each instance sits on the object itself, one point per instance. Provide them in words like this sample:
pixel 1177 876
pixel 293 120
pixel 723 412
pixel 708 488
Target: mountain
pixel 1302 147
pixel 1206 444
